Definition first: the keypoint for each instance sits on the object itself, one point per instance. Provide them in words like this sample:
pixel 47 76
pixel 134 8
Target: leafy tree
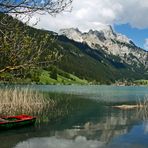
pixel 24 50
pixel 19 47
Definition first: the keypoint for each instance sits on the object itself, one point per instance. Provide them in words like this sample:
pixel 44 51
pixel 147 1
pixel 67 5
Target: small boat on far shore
pixel 9 122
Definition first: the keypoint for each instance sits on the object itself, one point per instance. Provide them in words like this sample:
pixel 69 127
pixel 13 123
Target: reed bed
pixel 23 101
pixel 47 108
pixel 143 110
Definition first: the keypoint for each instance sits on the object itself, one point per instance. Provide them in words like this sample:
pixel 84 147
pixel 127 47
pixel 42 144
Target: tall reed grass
pixel 23 101
pixel 143 111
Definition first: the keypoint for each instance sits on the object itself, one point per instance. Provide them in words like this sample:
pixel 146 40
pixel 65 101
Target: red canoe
pixel 9 122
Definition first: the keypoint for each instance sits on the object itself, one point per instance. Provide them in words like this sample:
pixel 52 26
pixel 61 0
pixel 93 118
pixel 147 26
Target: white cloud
pixel 87 14
pixel 146 44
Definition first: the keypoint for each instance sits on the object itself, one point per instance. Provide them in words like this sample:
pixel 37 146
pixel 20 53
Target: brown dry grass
pixel 23 101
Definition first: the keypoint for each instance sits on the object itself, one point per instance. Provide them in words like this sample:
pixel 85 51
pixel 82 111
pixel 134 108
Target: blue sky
pixel 137 35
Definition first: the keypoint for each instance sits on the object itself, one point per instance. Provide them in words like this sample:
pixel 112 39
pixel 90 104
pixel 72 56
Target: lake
pixel 91 123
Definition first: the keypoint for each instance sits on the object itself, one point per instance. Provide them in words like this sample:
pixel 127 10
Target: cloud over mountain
pixel 88 14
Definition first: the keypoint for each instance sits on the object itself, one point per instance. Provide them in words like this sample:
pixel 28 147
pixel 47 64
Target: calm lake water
pixel 92 123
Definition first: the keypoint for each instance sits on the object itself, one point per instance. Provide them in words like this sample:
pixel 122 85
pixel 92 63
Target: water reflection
pixel 96 92
pixel 104 130
pixel 53 142
pixel 99 92
pixel 98 133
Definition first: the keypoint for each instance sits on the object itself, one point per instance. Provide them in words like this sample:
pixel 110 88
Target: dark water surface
pixel 93 122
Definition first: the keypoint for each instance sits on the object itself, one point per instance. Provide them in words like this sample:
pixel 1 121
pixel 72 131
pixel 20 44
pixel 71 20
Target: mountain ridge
pixel 111 42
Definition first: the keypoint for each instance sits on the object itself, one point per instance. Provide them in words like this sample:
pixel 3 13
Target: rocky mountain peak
pixel 72 33
pixel 111 42
pixel 108 32
pixel 104 31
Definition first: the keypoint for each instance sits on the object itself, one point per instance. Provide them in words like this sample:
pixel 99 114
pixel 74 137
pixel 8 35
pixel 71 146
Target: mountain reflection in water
pixel 53 142
pixel 109 132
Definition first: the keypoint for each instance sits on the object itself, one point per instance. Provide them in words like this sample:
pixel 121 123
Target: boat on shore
pixel 9 122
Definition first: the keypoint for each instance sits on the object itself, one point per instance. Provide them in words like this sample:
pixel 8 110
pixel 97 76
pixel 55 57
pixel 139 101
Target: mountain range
pixel 98 56
pixel 111 43
pixel 117 57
